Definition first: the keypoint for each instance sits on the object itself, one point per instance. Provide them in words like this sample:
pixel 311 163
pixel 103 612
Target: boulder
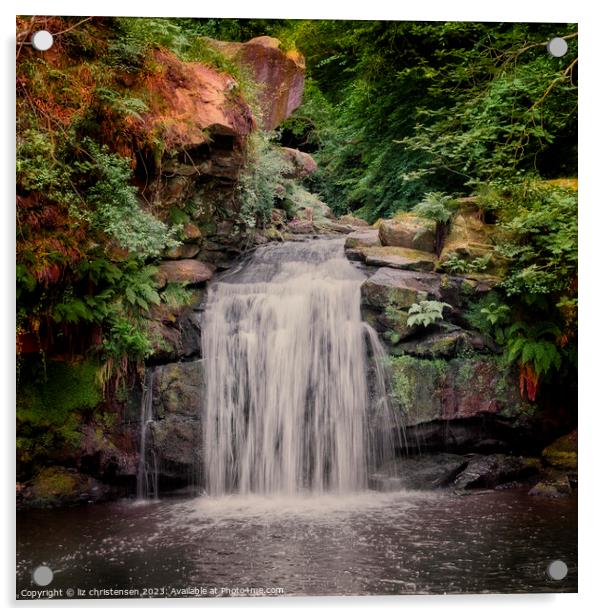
pixel 302 164
pixel 408 230
pixel 442 342
pixel 468 237
pixel 176 441
pixel 399 288
pixel 353 221
pixel 186 271
pixel 183 251
pixel 399 258
pixel 280 75
pixel 362 239
pixel 494 470
pixel 56 486
pixel 425 472
pixel 191 232
pixel 562 453
pixel 552 487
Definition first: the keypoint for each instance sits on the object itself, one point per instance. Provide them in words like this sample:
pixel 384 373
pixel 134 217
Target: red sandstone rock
pixel 189 101
pixel 188 271
pixel 281 75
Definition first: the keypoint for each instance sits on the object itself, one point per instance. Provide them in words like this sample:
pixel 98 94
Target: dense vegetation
pixel 398 115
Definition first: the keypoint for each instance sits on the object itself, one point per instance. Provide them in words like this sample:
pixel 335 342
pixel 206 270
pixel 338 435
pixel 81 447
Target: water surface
pixel 357 544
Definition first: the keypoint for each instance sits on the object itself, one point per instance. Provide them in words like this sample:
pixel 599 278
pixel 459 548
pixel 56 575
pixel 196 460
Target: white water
pixel 147 480
pixel 288 407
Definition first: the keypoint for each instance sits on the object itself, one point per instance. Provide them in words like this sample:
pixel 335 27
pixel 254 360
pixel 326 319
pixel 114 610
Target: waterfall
pixel 147 480
pixel 288 406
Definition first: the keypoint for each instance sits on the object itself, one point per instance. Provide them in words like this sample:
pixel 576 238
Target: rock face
pixel 177 412
pixel 186 271
pixel 468 237
pixel 439 390
pixel 408 231
pixel 281 75
pixel 189 102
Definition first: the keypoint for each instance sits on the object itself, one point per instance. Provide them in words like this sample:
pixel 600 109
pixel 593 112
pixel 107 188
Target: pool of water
pixel 356 544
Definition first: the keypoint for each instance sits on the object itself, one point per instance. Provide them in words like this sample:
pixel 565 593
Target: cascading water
pixel 287 362
pixel 147 480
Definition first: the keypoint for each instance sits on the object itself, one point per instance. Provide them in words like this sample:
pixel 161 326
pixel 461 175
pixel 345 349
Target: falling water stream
pixel 288 402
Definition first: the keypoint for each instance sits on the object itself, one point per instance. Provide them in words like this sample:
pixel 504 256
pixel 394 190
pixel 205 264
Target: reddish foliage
pixel 529 382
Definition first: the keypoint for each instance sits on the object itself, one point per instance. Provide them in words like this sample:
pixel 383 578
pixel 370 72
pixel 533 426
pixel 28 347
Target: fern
pixel 426 313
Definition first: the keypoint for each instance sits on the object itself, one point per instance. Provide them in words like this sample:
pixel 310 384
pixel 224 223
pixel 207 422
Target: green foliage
pixel 426 313
pixel 436 206
pixel 117 211
pixel 454 264
pixel 175 295
pixel 540 224
pixel 535 345
pixel 417 106
pixel 258 183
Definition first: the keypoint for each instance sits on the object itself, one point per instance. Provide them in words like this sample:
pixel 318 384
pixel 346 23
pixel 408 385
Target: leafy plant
pixel 456 265
pixel 426 313
pixel 535 349
pixel 438 207
pixel 259 182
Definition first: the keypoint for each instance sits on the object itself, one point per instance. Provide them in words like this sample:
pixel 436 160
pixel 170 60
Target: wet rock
pixel 493 470
pixel 562 453
pixel 553 487
pixel 176 429
pixel 438 390
pixel 445 342
pixel 408 231
pixel 177 389
pixel 177 330
pixel 56 486
pixel 176 441
pixel 187 271
pixel 424 472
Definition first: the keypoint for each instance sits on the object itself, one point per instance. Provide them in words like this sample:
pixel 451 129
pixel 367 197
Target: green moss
pixel 562 453
pixel 49 410
pixel 416 385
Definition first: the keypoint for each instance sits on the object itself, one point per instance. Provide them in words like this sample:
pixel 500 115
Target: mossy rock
pixel 56 486
pixel 562 453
